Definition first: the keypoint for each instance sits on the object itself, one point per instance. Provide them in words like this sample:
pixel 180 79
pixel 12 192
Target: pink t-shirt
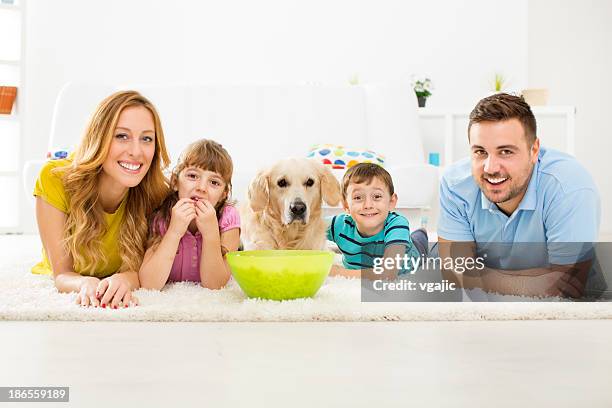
pixel 186 266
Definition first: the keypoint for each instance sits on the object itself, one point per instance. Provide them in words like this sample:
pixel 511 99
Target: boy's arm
pixel 387 270
pixel 339 270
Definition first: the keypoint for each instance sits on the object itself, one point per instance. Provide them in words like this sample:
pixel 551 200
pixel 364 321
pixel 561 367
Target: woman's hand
pixel 206 217
pixel 183 213
pixel 115 291
pixel 87 293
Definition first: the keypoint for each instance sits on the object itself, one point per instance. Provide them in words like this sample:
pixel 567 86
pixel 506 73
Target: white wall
pixel 570 52
pixel 459 44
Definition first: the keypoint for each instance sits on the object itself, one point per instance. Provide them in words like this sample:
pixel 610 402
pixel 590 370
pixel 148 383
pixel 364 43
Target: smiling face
pixel 199 184
pixel 369 204
pixel 502 161
pixel 132 148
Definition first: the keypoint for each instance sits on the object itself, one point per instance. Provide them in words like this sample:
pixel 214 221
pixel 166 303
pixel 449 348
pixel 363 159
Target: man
pixel 531 213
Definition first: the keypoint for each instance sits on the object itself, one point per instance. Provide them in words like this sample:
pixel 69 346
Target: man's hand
pixel 561 283
pixel 555 280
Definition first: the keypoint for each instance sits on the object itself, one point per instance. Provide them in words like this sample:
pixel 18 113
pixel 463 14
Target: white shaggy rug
pixel 24 296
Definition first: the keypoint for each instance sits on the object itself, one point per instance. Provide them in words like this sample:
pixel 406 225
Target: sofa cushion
pixel 340 157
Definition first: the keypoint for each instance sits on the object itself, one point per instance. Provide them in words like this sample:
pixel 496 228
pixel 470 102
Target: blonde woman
pixel 92 208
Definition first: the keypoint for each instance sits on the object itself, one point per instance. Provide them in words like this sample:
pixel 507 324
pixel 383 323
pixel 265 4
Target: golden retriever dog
pixel 284 206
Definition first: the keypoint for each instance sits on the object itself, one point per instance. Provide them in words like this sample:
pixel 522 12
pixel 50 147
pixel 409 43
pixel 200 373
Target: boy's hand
pixel 338 270
pixel 335 270
pixel 206 217
pixel 183 213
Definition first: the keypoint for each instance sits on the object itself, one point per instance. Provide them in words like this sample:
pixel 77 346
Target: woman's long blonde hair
pixel 86 224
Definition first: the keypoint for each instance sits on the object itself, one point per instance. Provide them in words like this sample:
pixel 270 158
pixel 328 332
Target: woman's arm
pixel 214 270
pixel 51 224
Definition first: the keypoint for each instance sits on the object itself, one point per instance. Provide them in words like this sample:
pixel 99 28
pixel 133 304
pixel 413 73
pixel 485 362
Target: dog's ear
pixel 330 188
pixel 259 192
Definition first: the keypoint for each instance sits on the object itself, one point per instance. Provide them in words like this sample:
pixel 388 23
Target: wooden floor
pixel 417 364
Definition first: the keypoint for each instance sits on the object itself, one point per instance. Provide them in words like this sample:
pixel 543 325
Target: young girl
pixel 196 225
pixel 92 207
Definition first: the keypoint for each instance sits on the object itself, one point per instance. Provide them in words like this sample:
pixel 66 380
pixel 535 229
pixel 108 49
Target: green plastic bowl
pixel 280 274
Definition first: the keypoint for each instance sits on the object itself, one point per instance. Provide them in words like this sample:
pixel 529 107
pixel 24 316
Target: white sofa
pixel 261 124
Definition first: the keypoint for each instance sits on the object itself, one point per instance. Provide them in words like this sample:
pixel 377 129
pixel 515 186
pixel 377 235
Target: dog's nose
pixel 298 208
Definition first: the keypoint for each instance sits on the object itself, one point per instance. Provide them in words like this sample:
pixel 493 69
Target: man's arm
pixel 556 280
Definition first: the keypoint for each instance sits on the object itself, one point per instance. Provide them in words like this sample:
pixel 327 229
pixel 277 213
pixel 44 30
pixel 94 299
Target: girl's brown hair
pixel 205 154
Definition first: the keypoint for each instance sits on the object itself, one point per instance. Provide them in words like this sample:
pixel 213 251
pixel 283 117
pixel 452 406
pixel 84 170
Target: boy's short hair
pixel 364 173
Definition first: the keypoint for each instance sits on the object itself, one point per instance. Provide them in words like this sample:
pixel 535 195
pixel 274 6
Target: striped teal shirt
pixel 359 252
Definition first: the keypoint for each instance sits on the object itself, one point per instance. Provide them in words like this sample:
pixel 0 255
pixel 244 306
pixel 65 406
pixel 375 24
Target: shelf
pixel 447 120
pixel 10 62
pixel 12 65
pixel 11 7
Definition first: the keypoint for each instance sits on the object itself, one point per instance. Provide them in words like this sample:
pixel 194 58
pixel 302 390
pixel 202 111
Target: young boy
pixel 370 230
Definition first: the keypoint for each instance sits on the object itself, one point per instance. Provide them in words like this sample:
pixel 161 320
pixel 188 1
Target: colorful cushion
pixel 57 154
pixel 343 157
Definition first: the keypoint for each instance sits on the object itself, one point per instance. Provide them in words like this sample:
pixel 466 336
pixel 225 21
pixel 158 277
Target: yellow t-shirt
pixel 49 187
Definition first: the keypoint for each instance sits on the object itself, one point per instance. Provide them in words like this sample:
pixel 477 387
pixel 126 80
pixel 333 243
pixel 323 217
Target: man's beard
pixel 513 192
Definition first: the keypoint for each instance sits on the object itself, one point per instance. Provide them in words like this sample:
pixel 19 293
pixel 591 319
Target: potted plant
pixel 422 88
pixel 7 98
pixel 499 82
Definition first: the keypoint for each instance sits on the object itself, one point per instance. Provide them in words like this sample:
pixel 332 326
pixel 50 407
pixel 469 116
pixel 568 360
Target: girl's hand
pixel 114 291
pixel 206 217
pixel 183 213
pixel 87 294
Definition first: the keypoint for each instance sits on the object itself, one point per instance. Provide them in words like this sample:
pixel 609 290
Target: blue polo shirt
pixel 561 205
